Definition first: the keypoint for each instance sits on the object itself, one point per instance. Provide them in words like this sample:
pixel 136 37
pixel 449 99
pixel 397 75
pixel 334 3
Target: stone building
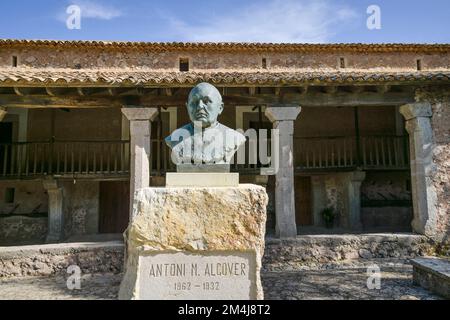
pixel 364 130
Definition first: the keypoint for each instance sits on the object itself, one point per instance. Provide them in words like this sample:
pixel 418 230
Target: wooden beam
pixel 383 89
pixel 168 92
pixel 20 91
pixel 45 101
pixel 315 99
pixel 3 113
pixel 330 89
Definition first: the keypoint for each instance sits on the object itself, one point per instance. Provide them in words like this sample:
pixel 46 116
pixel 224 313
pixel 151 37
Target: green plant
pixel 328 216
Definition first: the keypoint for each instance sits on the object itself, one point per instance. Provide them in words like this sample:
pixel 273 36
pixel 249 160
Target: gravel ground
pixel 344 281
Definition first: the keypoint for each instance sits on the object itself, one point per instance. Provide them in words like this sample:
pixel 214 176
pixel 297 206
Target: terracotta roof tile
pixel 232 46
pixel 124 77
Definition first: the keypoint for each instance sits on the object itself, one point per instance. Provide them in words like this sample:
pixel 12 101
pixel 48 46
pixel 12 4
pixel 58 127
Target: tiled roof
pixel 233 46
pixel 124 77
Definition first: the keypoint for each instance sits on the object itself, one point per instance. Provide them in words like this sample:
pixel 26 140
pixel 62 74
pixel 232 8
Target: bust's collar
pixel 214 126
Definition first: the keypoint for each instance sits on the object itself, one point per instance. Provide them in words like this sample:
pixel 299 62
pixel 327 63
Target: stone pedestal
pixel 196 243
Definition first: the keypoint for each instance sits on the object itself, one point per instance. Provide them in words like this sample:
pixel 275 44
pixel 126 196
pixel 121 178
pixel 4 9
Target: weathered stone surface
pixel 283 117
pixel 439 177
pixel 18 229
pixel 140 130
pixel 339 282
pixel 432 274
pixel 202 179
pixel 421 144
pixel 323 250
pixel 200 220
pixel 51 259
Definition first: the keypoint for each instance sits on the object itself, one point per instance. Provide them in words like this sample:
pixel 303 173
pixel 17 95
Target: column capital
pixel 138 113
pixel 3 113
pixel 282 112
pixel 50 184
pixel 416 110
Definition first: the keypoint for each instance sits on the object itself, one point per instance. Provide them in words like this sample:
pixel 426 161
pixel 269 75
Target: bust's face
pixel 204 104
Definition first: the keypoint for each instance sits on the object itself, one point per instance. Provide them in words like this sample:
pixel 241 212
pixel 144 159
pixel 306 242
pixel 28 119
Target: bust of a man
pixel 204 140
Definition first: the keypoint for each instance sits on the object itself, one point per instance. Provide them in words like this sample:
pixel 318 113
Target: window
pixel 419 64
pixel 9 195
pixel 14 61
pixel 184 64
pixel 264 63
pixel 342 62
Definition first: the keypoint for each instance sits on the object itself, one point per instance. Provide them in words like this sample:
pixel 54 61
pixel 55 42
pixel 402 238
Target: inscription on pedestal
pixel 189 276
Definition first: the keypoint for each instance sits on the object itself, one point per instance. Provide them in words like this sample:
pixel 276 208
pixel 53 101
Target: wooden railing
pixel 64 157
pixel 368 152
pixel 28 159
pixel 160 161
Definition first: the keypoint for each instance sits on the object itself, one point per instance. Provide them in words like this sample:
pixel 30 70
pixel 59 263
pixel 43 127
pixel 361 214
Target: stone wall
pixel 440 123
pixel 321 250
pixel 81 207
pixel 29 197
pixel 86 58
pixel 290 254
pixel 441 128
pixel 24 220
pixel 44 260
pixel 386 203
pixel 21 229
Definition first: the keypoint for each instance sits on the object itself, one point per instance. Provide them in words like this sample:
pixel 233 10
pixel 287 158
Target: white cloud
pixel 274 21
pixel 93 10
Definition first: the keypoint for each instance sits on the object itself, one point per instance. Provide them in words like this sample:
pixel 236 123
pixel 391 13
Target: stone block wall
pixel 25 220
pixel 81 207
pixel 440 123
pixel 200 60
pixel 22 229
pixel 441 180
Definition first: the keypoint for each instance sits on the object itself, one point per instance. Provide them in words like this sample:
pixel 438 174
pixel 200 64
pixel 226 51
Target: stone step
pixel 313 251
pixel 317 250
pixel 433 274
pixel 50 259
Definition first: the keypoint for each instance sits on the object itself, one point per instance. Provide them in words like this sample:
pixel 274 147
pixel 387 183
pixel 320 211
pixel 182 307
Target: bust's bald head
pixel 204 104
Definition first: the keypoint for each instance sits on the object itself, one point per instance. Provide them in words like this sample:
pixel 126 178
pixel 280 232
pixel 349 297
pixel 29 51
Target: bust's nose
pixel 201 105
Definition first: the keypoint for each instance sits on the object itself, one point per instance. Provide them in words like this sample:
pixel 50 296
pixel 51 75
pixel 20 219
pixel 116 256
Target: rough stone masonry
pixel 196 243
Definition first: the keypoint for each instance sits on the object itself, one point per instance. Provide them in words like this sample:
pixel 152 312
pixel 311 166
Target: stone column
pixel 351 189
pixel 139 148
pixel 3 113
pixel 55 211
pixel 418 125
pixel 283 117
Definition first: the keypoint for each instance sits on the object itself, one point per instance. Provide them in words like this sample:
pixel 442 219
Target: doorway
pixel 6 135
pixel 114 206
pixel 303 212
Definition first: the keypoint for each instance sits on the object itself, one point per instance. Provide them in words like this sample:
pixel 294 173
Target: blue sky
pixel 312 21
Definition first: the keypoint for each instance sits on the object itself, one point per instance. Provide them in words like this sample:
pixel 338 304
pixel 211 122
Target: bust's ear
pixel 221 108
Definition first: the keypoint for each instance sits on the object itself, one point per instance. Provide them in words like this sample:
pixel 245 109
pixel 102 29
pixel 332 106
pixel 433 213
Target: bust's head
pixel 204 104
